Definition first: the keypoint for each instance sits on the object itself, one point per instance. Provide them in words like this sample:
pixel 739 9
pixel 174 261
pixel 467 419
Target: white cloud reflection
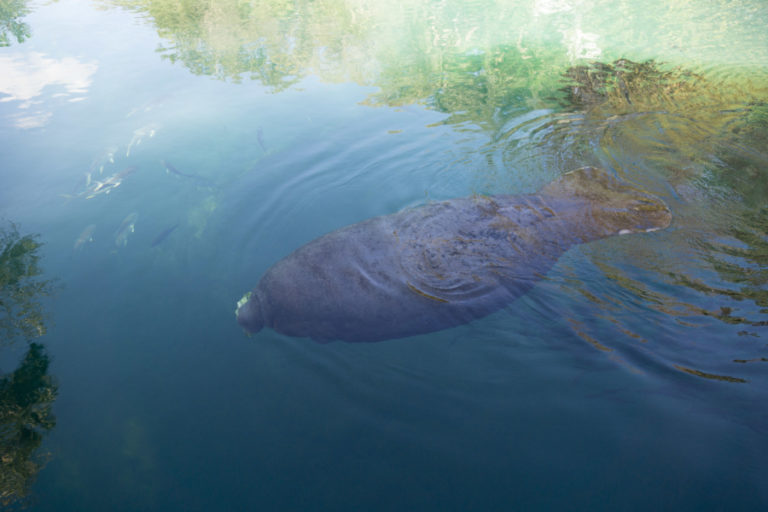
pixel 26 75
pixel 581 45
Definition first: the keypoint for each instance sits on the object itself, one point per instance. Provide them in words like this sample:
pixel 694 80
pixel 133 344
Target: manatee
pixel 443 264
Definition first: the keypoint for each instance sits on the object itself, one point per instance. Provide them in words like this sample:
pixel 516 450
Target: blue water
pixel 632 377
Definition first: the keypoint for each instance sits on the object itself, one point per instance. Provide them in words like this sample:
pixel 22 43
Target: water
pixel 633 376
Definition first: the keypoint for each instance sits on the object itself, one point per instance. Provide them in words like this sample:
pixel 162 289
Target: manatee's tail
pixel 249 314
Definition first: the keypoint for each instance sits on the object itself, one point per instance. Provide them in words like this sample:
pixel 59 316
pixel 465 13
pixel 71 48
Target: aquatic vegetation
pixel 625 83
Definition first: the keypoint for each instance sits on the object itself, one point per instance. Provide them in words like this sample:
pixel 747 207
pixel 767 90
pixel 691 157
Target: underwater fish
pixel 82 185
pixel 85 236
pixel 105 187
pixel 138 135
pixel 170 169
pixel 160 238
pixel 127 227
pixel 105 157
pixel 150 105
pixel 200 181
pixel 443 264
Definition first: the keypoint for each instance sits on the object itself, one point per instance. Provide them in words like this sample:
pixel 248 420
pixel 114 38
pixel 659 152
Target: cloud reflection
pixel 26 75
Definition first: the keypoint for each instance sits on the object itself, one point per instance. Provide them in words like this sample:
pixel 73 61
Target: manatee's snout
pixel 249 313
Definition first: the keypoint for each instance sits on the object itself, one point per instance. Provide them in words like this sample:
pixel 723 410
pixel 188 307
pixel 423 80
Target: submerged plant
pixel 625 83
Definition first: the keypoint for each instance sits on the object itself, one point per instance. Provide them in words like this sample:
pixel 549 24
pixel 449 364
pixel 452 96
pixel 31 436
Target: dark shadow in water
pixel 26 394
pixel 11 25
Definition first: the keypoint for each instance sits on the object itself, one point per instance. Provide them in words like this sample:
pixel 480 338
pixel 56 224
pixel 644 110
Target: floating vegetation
pixel 627 84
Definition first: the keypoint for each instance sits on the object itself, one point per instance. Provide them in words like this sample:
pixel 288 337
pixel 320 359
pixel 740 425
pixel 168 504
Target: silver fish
pixel 105 187
pixel 127 227
pixel 138 135
pixel 85 236
pixel 105 157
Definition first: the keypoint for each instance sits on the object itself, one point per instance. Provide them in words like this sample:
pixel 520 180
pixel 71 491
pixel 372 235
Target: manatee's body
pixel 443 264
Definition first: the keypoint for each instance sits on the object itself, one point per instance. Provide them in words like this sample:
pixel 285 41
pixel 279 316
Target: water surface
pixel 159 156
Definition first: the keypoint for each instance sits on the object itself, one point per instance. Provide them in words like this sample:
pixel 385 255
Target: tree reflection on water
pixel 26 394
pixel 11 24
pixel 26 399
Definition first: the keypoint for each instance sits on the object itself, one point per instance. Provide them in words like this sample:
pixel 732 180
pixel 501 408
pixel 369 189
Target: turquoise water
pixel 165 154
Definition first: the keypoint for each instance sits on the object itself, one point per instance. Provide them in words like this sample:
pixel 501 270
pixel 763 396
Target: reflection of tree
pixel 27 394
pixel 11 26
pixel 26 398
pixel 485 64
pixel 434 54
pixel 21 314
pixel 275 42
pixel 483 87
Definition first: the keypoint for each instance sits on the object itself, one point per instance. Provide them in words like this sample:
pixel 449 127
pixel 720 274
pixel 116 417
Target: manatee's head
pixel 249 314
pixel 616 207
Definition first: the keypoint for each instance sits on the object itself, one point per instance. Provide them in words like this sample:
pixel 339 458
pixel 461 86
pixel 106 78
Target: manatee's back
pixel 417 271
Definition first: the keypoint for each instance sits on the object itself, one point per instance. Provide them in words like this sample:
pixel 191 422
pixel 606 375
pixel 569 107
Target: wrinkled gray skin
pixel 444 264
